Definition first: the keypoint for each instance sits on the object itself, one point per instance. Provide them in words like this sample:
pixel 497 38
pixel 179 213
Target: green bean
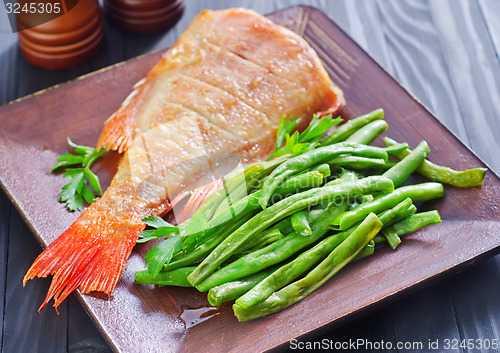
pixel 254 180
pixel 369 132
pixel 207 208
pixel 267 167
pixel 197 236
pixel 362 199
pixel 182 259
pixel 230 198
pixel 233 181
pixel 464 179
pixel 368 250
pixel 197 226
pixel 303 181
pixel 397 213
pixel 250 204
pixel 345 176
pixel 380 169
pixel 234 184
pixel 284 226
pixel 323 169
pixel 388 217
pixel 402 170
pixel 418 192
pixel 396 148
pixel 298 163
pixel 299 289
pixel 307 180
pixel 279 211
pixel 292 270
pixel 407 225
pixel 392 237
pixel 234 289
pixel 393 215
pixel 351 126
pixel 356 162
pixel 350 176
pixel 200 217
pixel 379 240
pixel 166 278
pixel 276 252
pixel 267 237
pixel 415 222
pixel 300 223
pixel 255 171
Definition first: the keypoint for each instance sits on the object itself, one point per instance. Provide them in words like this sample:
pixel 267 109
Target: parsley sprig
pixel 294 144
pixel 83 183
pixel 164 251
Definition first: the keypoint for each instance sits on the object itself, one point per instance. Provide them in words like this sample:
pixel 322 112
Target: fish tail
pixel 91 254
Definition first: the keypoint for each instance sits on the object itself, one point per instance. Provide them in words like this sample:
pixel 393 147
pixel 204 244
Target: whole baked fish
pixel 219 92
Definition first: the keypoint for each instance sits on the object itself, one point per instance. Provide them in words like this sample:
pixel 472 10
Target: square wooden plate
pixel 137 318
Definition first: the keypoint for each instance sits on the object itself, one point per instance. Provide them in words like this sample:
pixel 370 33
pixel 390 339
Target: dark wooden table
pixel 446 52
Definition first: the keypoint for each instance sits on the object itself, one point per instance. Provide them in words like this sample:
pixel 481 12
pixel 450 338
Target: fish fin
pixel 179 198
pixel 90 255
pixel 198 196
pixel 120 129
pixel 333 101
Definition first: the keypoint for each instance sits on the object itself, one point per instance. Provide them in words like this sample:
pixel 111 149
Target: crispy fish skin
pixel 219 92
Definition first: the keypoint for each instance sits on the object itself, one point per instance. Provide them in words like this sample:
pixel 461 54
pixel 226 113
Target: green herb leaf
pixel 162 254
pixel 151 234
pixel 67 160
pixel 146 235
pixel 73 203
pixel 292 146
pixel 88 195
pixel 83 183
pixel 318 127
pixel 285 127
pixel 71 192
pixel 80 149
pixel 156 222
pixel 287 143
pixel 93 181
pixel 162 228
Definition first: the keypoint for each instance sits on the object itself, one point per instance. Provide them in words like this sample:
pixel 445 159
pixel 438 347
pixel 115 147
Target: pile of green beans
pixel 294 221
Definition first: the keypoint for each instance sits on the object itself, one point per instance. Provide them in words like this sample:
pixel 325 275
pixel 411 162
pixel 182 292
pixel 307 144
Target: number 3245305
pixel 471 343
pixel 34 7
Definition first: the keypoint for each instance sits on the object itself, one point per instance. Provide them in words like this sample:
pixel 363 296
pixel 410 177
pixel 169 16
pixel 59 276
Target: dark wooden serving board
pixel 136 318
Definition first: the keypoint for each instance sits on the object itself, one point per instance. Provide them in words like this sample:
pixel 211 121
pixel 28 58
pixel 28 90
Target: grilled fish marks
pixel 220 91
pixel 236 49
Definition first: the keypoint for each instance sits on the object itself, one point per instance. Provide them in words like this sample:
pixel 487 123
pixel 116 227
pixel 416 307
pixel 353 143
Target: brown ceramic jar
pixel 144 16
pixel 64 42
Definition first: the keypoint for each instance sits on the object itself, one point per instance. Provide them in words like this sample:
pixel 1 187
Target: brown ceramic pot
pixel 64 42
pixel 144 16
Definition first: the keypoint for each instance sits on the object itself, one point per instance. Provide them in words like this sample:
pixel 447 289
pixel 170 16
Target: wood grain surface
pixel 445 52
